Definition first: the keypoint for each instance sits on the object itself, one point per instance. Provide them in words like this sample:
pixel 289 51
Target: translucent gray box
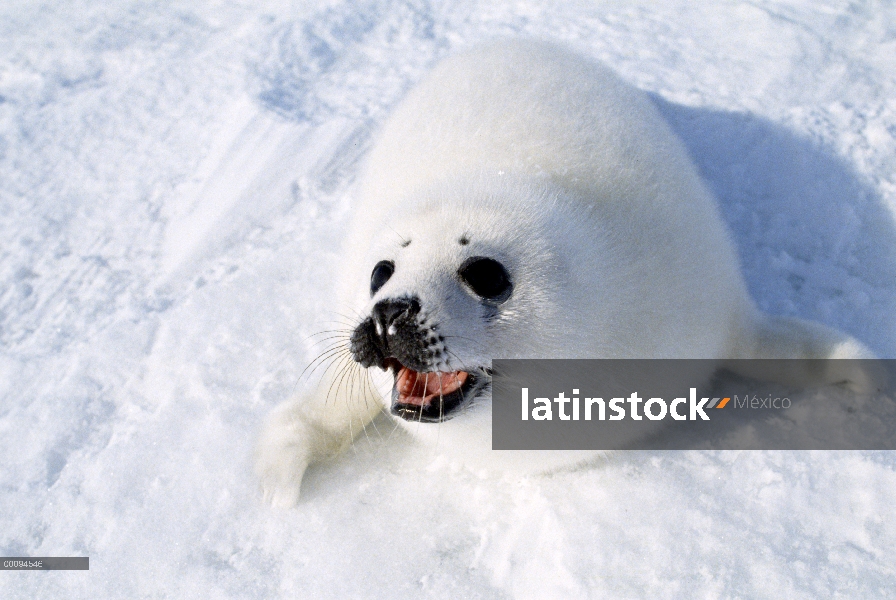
pixel 45 563
pixel 838 404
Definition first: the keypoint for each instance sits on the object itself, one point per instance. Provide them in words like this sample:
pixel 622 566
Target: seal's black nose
pixel 389 312
pixel 392 331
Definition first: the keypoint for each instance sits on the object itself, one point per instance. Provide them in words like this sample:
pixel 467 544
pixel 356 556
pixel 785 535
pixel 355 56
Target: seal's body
pixel 521 202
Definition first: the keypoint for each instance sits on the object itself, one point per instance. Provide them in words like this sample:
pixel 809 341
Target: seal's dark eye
pixel 381 274
pixel 487 278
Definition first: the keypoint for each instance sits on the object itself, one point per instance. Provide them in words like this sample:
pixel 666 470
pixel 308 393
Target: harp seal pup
pixel 521 202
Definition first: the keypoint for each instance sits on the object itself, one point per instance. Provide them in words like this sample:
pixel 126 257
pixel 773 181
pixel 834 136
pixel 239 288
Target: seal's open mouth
pixel 429 397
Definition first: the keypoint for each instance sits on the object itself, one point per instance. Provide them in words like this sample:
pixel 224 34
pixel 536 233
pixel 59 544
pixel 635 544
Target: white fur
pixel 550 164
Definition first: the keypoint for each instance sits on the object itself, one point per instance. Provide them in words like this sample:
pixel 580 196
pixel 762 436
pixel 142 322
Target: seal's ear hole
pixel 381 274
pixel 487 278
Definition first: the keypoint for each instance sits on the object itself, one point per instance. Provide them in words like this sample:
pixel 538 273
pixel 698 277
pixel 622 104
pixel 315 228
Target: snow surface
pixel 174 180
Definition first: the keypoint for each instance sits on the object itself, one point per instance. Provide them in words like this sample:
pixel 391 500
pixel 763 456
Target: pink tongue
pixel 420 388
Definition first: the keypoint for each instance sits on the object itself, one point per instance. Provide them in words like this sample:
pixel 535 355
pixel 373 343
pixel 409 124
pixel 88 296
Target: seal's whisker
pixel 344 364
pixel 366 380
pixel 356 319
pixel 346 332
pixel 322 358
pixel 343 337
pixel 423 400
pixel 329 345
pixel 337 361
pixel 463 365
pixel 350 323
pixel 354 378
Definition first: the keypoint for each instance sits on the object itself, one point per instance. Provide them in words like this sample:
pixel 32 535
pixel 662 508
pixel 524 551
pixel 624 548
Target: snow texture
pixel 174 181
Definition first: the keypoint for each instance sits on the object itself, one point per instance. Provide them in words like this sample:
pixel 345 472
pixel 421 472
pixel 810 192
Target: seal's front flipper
pixel 307 429
pixel 825 356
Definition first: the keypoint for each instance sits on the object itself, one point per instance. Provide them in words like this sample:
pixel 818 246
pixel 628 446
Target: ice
pixel 174 182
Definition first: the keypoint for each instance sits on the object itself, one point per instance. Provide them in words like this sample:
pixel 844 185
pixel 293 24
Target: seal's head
pixel 430 381
pixel 424 389
pixel 473 272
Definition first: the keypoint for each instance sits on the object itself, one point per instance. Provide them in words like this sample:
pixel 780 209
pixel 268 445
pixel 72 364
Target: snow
pixel 174 181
